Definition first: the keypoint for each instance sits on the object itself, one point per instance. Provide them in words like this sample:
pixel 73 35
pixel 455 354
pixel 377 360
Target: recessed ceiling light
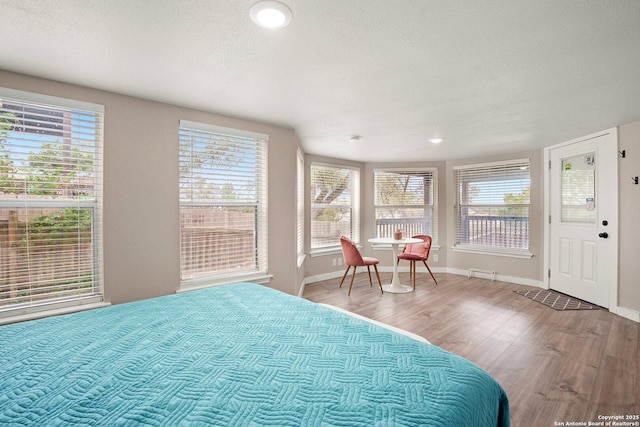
pixel 270 14
pixel 435 140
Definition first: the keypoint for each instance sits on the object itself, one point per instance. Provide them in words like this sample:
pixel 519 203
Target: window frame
pixel 258 271
pixel 91 139
pixel 486 168
pixel 300 240
pixel 433 205
pixel 353 206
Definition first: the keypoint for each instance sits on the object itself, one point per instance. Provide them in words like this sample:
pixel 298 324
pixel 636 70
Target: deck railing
pixel 481 230
pixel 409 226
pixel 496 231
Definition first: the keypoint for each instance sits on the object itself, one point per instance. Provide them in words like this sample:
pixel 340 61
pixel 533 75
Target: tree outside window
pixel 223 203
pixel 335 205
pixel 406 200
pixel 49 217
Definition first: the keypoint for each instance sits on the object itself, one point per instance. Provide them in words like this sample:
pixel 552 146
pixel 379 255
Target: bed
pixel 239 354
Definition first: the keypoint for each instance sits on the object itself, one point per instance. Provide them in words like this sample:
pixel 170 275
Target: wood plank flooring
pixel 556 366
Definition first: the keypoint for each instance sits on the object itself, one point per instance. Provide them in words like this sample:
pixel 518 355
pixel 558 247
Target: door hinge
pixel 549 219
pixel 549 164
pixel 549 273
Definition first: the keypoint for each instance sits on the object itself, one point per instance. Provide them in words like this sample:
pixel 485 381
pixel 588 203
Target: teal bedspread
pixel 239 354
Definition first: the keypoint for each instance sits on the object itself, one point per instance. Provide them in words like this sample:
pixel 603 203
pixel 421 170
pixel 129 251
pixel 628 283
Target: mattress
pixel 234 355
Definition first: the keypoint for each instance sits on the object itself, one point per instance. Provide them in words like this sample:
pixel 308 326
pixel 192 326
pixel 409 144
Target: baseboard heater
pixel 492 273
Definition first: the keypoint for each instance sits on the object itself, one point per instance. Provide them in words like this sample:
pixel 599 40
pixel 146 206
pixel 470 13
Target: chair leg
pixel 352 277
pixel 375 267
pixel 369 271
pixel 345 275
pixel 413 267
pixel 432 276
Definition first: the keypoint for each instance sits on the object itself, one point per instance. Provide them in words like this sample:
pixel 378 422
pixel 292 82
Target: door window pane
pixel 578 189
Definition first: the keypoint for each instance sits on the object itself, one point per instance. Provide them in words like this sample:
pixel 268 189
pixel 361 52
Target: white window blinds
pixel 223 203
pixel 300 207
pixel 50 203
pixel 406 200
pixel 492 208
pixel 335 205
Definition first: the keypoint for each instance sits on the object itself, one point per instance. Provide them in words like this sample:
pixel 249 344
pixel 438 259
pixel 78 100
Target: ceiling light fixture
pixel 354 138
pixel 435 140
pixel 270 14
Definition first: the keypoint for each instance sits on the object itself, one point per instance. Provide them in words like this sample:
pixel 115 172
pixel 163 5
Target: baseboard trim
pixel 626 313
pixel 405 269
pixel 499 277
pixel 324 276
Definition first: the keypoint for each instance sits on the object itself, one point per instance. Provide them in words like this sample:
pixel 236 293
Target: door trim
pixel 613 287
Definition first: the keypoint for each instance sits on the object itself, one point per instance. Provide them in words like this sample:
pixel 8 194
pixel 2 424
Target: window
pixel 223 204
pixel 335 206
pixel 492 208
pixel 300 208
pixel 50 203
pixel 578 189
pixel 406 200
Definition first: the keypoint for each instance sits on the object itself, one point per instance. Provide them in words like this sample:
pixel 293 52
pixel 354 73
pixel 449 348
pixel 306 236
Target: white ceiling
pixel 489 76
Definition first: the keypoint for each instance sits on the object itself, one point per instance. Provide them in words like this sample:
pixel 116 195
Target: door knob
pixel 604 235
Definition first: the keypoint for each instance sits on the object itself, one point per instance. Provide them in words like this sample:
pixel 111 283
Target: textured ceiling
pixel 488 76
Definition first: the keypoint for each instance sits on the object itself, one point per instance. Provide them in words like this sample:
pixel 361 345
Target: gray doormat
pixel 556 300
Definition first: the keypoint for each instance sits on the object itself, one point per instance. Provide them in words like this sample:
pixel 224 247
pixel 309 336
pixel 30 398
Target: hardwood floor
pixel 556 366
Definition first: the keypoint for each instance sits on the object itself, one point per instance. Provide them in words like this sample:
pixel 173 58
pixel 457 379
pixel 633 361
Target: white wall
pixel 629 201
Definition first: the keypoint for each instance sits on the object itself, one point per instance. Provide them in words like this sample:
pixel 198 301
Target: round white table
pixel 395 287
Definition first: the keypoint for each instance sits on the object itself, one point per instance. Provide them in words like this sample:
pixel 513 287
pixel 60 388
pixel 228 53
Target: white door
pixel 583 176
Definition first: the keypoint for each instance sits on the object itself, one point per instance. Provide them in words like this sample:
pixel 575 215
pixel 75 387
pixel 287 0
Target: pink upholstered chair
pixel 353 258
pixel 417 252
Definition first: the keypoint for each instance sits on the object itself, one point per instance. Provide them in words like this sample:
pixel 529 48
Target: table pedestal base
pixel 397 289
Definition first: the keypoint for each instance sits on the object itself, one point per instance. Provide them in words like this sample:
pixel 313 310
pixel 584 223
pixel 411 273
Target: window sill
pixel 32 315
pixel 325 251
pixel 207 282
pixel 522 254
